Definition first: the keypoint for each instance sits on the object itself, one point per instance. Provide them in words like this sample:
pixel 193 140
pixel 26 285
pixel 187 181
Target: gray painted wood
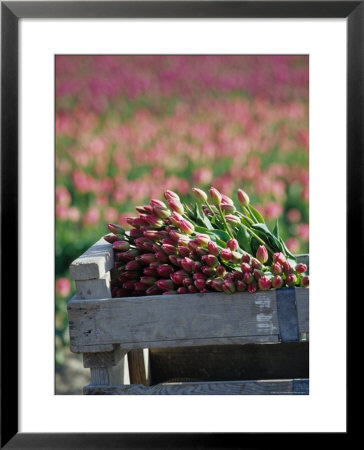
pixel 302 304
pixel 261 387
pixel 94 263
pixel 172 319
pixel 287 315
pixel 107 368
pixel 100 288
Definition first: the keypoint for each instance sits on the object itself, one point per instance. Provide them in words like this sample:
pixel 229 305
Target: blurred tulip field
pixel 130 127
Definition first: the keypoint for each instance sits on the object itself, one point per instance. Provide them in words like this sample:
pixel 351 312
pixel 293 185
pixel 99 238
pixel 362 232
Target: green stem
pixel 225 223
pixel 261 241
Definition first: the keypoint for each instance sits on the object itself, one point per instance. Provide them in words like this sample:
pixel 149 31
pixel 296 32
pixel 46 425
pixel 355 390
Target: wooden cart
pixel 210 343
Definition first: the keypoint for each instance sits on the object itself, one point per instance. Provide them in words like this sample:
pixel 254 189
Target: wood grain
pixel 265 387
pixel 99 288
pixel 139 366
pixel 94 263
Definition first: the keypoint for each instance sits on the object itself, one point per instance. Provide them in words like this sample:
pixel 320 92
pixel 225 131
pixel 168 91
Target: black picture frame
pixel 11 12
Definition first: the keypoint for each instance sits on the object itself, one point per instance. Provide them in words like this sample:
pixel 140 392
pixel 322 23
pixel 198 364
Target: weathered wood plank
pixel 302 303
pixel 139 366
pixel 136 321
pixel 231 362
pixel 107 368
pixel 261 387
pixel 99 288
pixel 94 263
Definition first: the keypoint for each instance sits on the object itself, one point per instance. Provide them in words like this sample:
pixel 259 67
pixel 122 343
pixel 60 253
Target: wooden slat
pixel 172 320
pixel 99 288
pixel 230 362
pixel 265 387
pixel 302 303
pixel 94 263
pixel 139 367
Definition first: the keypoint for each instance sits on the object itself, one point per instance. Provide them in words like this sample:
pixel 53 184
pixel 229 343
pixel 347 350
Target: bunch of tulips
pixel 175 248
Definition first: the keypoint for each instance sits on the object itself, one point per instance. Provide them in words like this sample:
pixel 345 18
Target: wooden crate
pixel 123 340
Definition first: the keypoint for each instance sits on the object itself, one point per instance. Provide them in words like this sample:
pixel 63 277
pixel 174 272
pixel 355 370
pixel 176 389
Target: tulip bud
pixel 140 286
pixel 178 276
pixel 141 210
pixel 262 254
pixel 196 267
pixel 170 195
pixel 121 245
pixel 245 267
pixel 215 195
pixel 276 268
pixel 128 285
pixel 161 256
pixel 200 283
pixel 287 268
pixel 226 255
pixel 210 260
pixel 155 202
pixel 176 206
pixel 111 238
pixel 256 264
pixel 154 265
pixel 228 286
pixel 200 251
pixel 165 270
pixel 301 268
pixel 264 283
pixel 147 258
pixel 200 195
pixel 183 251
pixel 227 200
pixel 202 240
pixel 252 287
pixel 165 284
pixel 187 264
pixel 136 233
pixel 122 293
pixel 133 265
pixel 277 282
pixel 209 271
pixel 248 277
pixel 216 284
pixel 169 249
pixel 153 221
pixel 213 248
pixel 186 226
pixel 232 244
pixel 175 236
pixel 236 257
pixel 170 292
pixel 130 254
pixel 227 208
pixel 192 245
pixel 187 282
pixel 221 271
pixel 192 289
pixel 161 212
pixel 291 279
pixel 233 220
pixel 279 257
pixel 257 274
pixel 175 260
pixel 175 219
pixel 206 211
pixel 243 198
pixel 246 258
pixel 147 271
pixel 305 282
pixel 240 286
pixel 182 290
pixel 116 229
pixel 154 290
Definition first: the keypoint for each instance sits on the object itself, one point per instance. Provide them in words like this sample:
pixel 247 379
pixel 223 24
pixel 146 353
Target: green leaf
pixel 244 238
pixel 202 219
pixel 276 229
pixel 256 214
pixel 286 251
pixel 215 235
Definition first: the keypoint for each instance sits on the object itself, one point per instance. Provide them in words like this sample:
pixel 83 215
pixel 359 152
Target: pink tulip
pixel 165 270
pixel 305 282
pixel 232 244
pixel 63 287
pixel 279 257
pixel 277 282
pixel 176 206
pixel 121 245
pixel 186 226
pixel 243 198
pixel 226 255
pixel 165 284
pixel 277 268
pixel 200 195
pixel 262 254
pixel 291 279
pixel 216 284
pixel 252 287
pixel 210 260
pixel 170 195
pixel 202 240
pixel 240 286
pixel 264 283
pixel 228 286
pixel 301 268
pixel 213 248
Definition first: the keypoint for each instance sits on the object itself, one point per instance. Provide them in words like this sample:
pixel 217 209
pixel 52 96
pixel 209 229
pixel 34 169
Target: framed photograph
pixel 72 151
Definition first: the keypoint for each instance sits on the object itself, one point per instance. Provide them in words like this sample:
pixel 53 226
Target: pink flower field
pixel 129 128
